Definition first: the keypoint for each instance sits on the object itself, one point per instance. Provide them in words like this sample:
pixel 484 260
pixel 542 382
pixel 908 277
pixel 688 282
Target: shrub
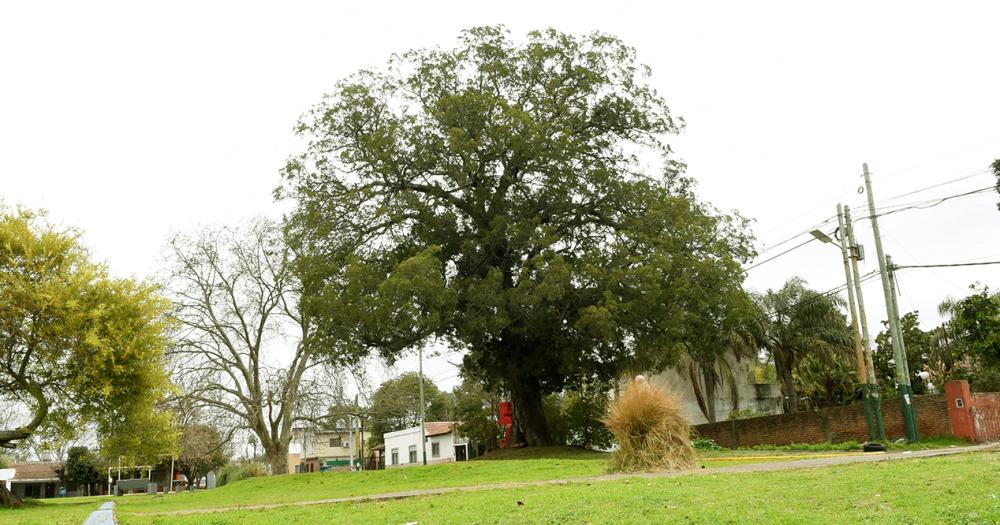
pixel 705 444
pixel 744 413
pixel 651 431
pixel 234 472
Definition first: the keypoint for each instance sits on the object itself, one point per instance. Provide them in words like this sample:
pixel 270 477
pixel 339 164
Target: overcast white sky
pixel 132 120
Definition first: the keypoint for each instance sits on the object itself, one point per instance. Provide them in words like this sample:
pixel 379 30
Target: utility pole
pixel 350 440
pixel 899 352
pixel 859 351
pixel 423 431
pixel 876 400
pixel 902 344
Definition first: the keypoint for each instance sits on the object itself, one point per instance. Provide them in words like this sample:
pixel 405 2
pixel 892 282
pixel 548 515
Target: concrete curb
pixel 759 467
pixel 103 516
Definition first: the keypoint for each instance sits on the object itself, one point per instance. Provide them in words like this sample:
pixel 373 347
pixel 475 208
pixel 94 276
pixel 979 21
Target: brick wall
pixel 834 424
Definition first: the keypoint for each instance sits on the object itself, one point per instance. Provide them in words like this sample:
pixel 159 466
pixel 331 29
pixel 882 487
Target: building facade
pixel 36 479
pixel 443 445
pixel 323 450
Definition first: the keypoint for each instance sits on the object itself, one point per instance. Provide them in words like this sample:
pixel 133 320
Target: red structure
pixel 960 409
pixel 505 418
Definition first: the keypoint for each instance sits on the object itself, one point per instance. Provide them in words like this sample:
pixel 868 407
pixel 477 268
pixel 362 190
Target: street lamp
pixel 820 236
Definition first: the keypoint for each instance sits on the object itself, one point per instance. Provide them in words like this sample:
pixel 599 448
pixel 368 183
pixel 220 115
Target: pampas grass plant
pixel 652 433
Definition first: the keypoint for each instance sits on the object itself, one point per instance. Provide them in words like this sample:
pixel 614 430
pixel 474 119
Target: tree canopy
pixel 795 323
pixel 516 199
pixel 396 405
pixel 75 342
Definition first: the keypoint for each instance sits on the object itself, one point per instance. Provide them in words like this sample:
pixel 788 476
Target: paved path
pixel 756 467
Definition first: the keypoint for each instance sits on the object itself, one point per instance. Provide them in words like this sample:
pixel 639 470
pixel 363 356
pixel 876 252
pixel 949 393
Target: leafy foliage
pixel 234 472
pixel 202 449
pixel 996 171
pixel 917 343
pixel 78 342
pixel 802 329
pixel 977 327
pixel 396 405
pixel 576 416
pixel 705 444
pixel 497 194
pixel 83 468
pixel 476 408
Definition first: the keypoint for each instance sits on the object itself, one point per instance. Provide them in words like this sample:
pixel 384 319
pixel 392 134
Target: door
pixel 460 453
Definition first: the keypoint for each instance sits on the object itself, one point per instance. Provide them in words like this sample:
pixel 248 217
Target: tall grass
pixel 234 472
pixel 651 431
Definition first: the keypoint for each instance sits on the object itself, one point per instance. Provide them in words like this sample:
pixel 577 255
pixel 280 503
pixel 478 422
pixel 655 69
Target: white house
pixel 402 448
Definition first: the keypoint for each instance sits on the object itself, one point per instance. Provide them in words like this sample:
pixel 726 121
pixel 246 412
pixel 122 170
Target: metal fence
pixel 987 419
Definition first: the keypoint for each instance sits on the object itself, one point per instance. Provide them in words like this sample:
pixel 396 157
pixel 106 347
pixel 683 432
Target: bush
pixel 705 444
pixel 651 431
pixel 575 417
pixel 810 447
pixel 234 472
pixel 744 413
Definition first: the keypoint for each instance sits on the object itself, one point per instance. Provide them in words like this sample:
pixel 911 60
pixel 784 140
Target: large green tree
pixel 73 340
pixel 515 198
pixel 83 470
pixel 918 350
pixel 396 405
pixel 977 328
pixel 796 322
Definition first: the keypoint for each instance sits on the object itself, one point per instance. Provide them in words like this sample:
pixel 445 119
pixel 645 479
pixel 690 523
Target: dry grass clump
pixel 651 431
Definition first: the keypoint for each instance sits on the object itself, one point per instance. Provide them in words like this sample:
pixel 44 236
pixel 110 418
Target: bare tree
pixel 245 350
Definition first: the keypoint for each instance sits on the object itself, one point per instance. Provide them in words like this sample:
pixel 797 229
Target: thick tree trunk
pixel 788 387
pixel 530 424
pixel 277 458
pixel 710 384
pixel 7 499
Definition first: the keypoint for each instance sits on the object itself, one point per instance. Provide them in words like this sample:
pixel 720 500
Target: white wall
pixel 402 440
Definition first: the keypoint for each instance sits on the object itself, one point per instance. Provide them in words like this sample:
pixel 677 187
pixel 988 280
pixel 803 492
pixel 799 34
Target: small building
pixel 402 448
pixel 36 479
pixel 324 450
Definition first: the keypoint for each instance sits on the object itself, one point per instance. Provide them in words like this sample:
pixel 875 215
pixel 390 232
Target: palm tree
pixel 796 321
pixel 722 334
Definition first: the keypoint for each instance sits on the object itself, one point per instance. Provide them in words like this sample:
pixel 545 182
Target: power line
pixel 976 173
pixel 925 204
pixel 951 265
pixel 793 248
pixel 769 247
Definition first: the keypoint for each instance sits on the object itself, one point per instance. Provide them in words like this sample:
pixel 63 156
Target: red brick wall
pixel 834 424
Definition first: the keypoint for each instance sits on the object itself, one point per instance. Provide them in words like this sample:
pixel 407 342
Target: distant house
pixel 322 450
pixel 402 448
pixel 37 479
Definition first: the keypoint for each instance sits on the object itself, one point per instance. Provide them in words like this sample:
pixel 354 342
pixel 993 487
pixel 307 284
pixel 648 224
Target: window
pixel 395 456
pixel 435 450
pixel 336 441
pixel 413 453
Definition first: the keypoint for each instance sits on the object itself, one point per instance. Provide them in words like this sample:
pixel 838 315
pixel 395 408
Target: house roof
pixel 436 428
pixel 36 471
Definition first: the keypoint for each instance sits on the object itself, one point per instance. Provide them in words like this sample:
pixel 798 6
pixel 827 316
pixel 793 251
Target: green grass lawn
pixel 954 489
pixel 63 511
pixel 498 467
